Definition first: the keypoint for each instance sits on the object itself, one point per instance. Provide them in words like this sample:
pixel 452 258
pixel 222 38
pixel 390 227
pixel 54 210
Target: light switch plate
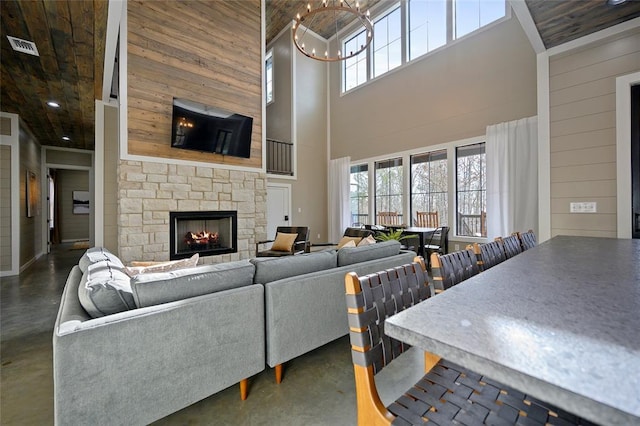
pixel 583 207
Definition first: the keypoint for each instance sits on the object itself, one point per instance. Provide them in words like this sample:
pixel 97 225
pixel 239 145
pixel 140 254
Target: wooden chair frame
pixel 427 219
pixel 371 411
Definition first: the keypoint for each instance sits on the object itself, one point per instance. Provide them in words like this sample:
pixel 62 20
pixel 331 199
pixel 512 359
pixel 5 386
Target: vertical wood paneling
pixel 582 116
pixel 205 51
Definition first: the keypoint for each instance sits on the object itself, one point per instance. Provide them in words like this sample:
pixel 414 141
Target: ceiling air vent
pixel 23 46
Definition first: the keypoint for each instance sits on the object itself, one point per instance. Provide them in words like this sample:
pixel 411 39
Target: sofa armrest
pixel 137 366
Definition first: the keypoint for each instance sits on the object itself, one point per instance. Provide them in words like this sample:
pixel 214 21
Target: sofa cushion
pixel 95 255
pixel 273 269
pixel 173 265
pixel 162 287
pixel 105 289
pixel 351 255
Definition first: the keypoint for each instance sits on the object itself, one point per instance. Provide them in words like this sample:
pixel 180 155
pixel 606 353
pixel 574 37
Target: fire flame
pixel 202 237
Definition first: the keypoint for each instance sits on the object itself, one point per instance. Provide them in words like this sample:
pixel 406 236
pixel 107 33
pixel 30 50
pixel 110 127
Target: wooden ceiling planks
pixel 562 21
pixel 65 34
pixel 280 13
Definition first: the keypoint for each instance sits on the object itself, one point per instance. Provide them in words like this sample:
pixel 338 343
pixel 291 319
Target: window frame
pixel 433 156
pixel 482 190
pixel 269 58
pixel 387 164
pixel 355 169
pixel 405 43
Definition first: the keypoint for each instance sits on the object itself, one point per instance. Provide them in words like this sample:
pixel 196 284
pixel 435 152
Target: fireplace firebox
pixel 204 232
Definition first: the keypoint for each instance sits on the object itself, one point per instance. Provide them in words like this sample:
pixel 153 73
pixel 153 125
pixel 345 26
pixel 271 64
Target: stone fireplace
pixel 204 232
pixel 148 192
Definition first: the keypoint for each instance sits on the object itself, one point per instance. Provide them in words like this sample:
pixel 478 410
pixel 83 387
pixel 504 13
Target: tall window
pixel 473 14
pixel 268 76
pixel 389 185
pixel 355 69
pixel 429 184
pixel 359 195
pixel 471 190
pixel 387 42
pixel 427 26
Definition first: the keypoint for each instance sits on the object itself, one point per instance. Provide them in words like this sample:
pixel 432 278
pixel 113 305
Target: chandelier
pixel 336 9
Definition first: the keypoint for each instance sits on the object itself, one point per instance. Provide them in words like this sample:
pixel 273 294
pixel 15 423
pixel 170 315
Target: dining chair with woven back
pixel 510 245
pixel 447 393
pixel 453 268
pixel 488 254
pixel 527 239
pixel 427 219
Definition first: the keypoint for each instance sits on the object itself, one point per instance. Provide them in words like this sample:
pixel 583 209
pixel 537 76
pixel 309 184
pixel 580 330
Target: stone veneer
pixel 148 191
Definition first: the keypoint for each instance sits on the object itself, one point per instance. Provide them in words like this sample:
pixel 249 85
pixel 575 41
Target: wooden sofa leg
pixel 244 387
pixel 279 373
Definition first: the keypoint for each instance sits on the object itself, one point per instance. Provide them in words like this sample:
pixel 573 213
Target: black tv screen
pixel 205 128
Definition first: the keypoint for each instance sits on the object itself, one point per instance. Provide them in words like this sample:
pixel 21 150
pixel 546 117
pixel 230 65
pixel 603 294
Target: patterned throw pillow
pixel 132 271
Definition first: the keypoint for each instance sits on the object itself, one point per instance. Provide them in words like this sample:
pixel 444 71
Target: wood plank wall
pixel 582 95
pixel 204 51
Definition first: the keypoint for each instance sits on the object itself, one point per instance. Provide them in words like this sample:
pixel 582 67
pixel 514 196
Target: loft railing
pixel 279 157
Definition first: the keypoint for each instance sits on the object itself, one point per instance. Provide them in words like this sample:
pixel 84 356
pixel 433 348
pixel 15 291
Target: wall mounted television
pixel 205 128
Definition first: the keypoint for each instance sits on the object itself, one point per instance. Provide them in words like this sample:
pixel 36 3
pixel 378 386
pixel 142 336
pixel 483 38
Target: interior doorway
pixel 278 207
pixel 68 206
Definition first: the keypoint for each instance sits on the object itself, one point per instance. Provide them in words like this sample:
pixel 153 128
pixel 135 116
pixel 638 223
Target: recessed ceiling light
pixel 53 104
pixel 615 2
pixel 66 138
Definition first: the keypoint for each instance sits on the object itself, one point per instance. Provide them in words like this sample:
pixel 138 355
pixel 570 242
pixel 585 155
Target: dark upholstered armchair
pixel 352 232
pixel 284 243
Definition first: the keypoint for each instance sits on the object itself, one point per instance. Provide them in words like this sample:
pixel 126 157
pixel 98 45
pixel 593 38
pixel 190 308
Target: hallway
pixel 317 389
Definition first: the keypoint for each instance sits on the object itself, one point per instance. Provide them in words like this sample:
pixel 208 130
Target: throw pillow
pixel 105 289
pixel 284 242
pixel 367 241
pixel 97 255
pixel 350 243
pixel 174 265
pixel 345 240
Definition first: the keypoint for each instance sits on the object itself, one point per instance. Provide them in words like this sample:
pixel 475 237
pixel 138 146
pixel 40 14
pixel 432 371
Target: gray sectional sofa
pixel 133 350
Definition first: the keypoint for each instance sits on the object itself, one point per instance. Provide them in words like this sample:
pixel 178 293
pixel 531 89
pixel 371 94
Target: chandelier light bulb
pixel 313 52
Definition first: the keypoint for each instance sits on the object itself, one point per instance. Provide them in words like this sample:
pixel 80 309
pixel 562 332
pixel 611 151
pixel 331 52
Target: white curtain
pixel 339 211
pixel 512 177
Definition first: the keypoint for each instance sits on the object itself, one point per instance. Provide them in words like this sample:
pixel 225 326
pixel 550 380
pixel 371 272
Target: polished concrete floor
pixel 318 387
